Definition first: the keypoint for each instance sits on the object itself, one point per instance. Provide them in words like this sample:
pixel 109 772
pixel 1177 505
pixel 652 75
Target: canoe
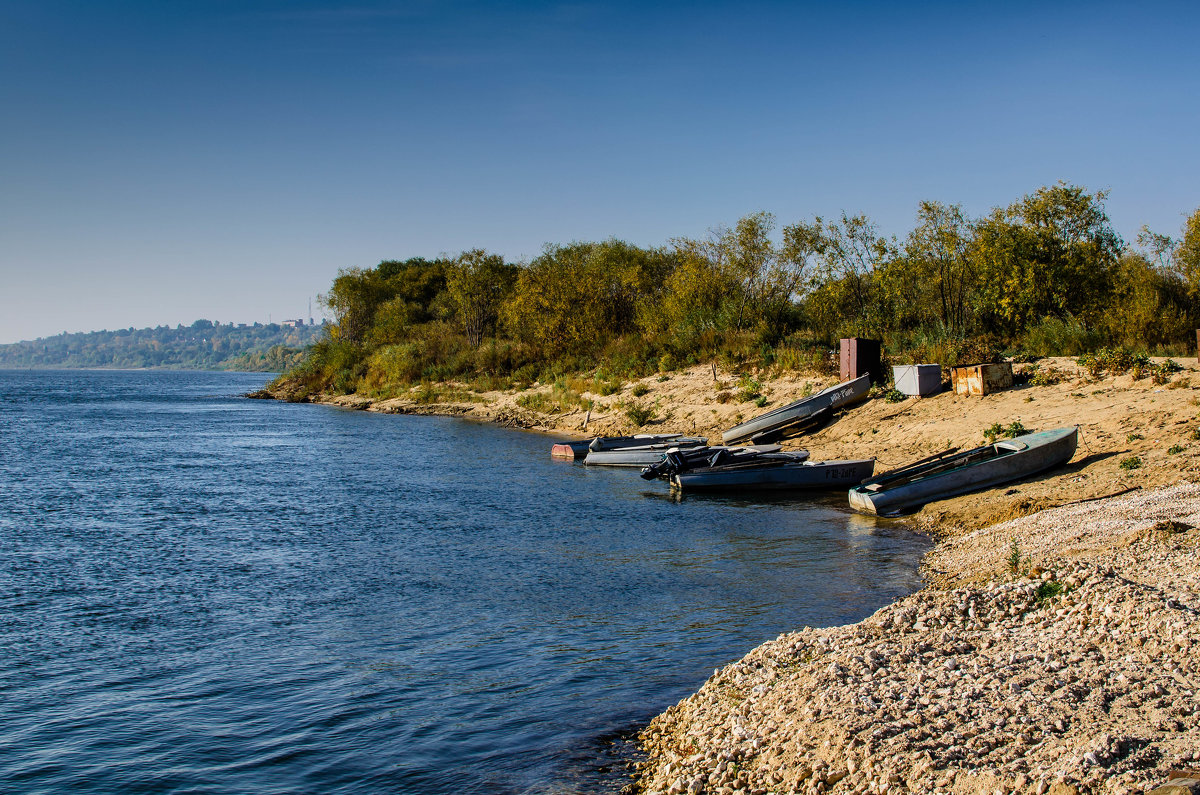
pixel 786 476
pixel 643 455
pixel 579 448
pixel 949 475
pixel 676 461
pixel 799 415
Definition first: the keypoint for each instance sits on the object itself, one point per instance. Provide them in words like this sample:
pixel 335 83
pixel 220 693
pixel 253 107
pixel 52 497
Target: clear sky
pixel 168 160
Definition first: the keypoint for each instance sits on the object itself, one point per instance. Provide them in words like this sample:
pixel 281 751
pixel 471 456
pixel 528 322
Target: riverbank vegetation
pixel 1046 275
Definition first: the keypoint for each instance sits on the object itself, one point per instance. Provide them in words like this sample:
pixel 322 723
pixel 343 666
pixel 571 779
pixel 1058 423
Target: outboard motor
pixel 672 462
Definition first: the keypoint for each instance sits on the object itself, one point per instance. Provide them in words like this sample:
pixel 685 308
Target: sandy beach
pixel 1055 648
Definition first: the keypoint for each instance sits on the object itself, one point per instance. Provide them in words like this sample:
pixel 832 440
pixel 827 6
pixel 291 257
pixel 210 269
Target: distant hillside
pixel 200 346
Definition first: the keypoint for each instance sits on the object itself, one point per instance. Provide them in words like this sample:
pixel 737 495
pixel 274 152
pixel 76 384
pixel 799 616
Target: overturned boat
pixel 799 415
pixel 952 473
pixel 581 447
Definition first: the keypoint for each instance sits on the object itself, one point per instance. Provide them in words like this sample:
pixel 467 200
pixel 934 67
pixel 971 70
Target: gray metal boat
pixel 674 461
pixel 579 448
pixel 952 473
pixel 643 455
pixel 800 415
pixel 776 476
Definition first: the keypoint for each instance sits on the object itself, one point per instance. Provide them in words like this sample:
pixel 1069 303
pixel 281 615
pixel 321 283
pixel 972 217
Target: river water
pixel 207 594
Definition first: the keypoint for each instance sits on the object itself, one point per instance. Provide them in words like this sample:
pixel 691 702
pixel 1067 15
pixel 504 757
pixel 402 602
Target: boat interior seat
pixel 1011 445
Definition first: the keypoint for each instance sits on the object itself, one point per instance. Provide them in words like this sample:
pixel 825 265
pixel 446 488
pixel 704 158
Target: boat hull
pixel 579 448
pixel 1011 459
pixel 635 456
pixel 801 413
pixel 805 476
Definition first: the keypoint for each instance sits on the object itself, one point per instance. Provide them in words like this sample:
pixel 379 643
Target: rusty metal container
pixel 982 379
pixel 860 357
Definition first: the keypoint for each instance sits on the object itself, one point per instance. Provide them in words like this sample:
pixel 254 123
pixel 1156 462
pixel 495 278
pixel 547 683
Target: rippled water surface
pixel 207 594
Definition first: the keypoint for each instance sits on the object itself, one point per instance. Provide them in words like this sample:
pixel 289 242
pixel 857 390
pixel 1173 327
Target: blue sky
pixel 163 161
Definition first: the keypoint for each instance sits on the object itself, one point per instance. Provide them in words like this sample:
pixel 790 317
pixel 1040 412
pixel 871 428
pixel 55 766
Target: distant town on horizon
pixel 203 345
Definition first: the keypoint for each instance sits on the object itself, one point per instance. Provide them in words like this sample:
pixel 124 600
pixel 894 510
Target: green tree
pixel 941 275
pixel 353 299
pixel 574 298
pixel 1051 254
pixel 848 253
pixel 1187 254
pixel 698 299
pixel 476 286
pixel 1148 305
pixel 738 278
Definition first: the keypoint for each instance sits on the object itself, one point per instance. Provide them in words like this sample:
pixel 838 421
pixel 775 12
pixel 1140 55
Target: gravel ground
pixel 1078 672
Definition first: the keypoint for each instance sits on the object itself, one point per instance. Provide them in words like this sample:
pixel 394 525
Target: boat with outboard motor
pixel 776 476
pixel 682 460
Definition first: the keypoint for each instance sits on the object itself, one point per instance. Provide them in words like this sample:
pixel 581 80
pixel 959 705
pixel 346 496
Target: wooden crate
pixel 982 379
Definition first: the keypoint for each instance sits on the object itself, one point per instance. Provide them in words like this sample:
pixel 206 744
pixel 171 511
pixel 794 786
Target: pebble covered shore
pixel 1078 672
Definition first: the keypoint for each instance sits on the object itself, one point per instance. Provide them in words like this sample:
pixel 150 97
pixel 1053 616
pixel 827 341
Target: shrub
pixel 1161 373
pixel 1010 431
pixel 639 415
pixel 804 356
pixel 1140 366
pixel 1014 557
pixel 1015 429
pixel 1047 591
pixel 1092 364
pixel 748 389
pixel 1058 337
pixel 1047 376
pixel 606 388
pixel 894 396
pixel 1131 462
pixel 1114 361
pixel 1117 361
pixel 639 390
pixel 559 399
pixel 1175 449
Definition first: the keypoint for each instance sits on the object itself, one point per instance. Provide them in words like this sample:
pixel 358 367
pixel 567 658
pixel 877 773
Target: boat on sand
pixel 800 415
pixel 952 473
